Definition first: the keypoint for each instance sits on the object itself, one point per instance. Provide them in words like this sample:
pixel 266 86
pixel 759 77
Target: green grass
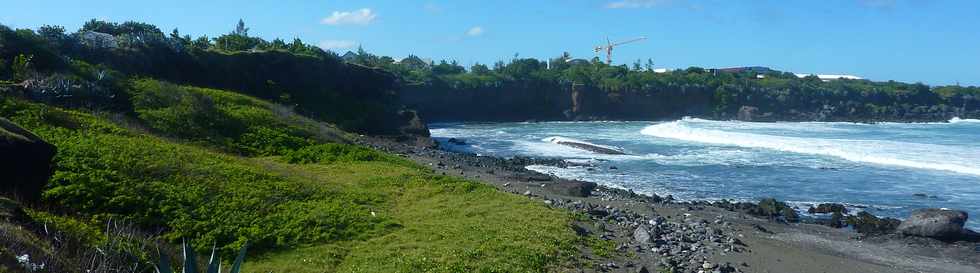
pixel 335 208
pixel 446 225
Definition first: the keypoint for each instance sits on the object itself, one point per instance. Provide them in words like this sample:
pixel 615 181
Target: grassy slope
pixel 448 225
pixel 348 209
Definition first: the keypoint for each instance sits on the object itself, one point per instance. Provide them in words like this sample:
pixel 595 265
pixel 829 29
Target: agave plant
pixel 190 261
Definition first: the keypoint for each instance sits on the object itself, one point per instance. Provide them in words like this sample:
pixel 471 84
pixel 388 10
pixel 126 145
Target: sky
pixel 934 42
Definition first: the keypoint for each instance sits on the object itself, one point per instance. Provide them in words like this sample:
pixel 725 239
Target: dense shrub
pixel 330 153
pixel 106 172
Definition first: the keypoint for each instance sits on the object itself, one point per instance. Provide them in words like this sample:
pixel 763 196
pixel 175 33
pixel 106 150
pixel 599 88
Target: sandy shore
pixel 694 237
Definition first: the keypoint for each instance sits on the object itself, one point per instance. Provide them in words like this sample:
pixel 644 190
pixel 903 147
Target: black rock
pixel 828 208
pixel 573 188
pixel 868 224
pixel 25 162
pixel 457 141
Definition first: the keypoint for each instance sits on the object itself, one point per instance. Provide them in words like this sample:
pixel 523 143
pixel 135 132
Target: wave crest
pixel 901 154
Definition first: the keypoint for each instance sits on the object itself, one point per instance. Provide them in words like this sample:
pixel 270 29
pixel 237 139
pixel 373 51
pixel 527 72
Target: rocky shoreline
pixel 651 233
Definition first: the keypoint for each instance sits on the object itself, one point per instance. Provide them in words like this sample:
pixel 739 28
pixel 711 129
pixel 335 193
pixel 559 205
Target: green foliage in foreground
pixel 348 209
pixel 446 225
pixel 106 172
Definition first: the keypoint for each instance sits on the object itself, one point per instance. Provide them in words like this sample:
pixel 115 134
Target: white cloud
pixel 337 44
pixel 626 4
pixel 475 31
pixel 358 17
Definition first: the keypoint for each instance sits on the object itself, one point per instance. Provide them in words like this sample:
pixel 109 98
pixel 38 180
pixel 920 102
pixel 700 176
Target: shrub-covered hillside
pixel 186 166
pixel 86 68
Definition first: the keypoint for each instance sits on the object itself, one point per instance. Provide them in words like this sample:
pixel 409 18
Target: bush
pixel 330 153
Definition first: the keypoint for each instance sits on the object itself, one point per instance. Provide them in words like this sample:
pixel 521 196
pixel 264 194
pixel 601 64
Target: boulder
pixel 641 235
pixel 828 208
pixel 411 124
pixel 868 224
pixel 25 162
pixel 573 188
pixel 768 207
pixel 747 113
pixel 934 223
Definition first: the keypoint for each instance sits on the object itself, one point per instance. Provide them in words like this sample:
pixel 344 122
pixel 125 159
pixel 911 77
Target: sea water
pixel 887 169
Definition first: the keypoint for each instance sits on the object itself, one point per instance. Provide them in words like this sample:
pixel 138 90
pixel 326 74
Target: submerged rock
pixel 587 146
pixel 935 223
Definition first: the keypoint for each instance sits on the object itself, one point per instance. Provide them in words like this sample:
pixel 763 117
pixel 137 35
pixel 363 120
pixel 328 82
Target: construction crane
pixel 609 47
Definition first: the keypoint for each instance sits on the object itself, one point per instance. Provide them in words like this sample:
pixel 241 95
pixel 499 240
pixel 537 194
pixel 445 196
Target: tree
pixel 238 39
pixel 444 68
pixel 480 69
pixel 100 26
pixel 22 67
pixel 240 29
pixel 52 33
pixel 201 43
pixel 649 65
pixel 278 44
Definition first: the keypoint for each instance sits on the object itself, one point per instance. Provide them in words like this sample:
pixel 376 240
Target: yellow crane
pixel 610 45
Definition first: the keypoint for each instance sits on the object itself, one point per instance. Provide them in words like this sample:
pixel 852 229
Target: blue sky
pixel 935 42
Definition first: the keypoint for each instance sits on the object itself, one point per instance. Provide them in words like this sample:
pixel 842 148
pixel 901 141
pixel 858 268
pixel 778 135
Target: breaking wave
pixel 881 152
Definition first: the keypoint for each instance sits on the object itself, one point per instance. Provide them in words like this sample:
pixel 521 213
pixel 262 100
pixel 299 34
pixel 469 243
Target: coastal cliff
pixel 512 101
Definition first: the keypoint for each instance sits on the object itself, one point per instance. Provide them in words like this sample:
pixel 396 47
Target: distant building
pixel 752 69
pixel 661 70
pixel 830 77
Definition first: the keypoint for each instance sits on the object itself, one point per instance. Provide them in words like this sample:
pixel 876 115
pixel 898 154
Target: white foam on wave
pixel 959 120
pixel 901 154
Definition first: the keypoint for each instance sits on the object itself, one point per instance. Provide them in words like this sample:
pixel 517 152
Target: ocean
pixel 887 169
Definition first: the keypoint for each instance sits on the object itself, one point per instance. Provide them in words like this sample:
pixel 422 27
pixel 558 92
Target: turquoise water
pixel 881 168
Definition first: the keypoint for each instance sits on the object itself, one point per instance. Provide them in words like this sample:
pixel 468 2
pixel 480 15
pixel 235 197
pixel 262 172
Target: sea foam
pixel 891 153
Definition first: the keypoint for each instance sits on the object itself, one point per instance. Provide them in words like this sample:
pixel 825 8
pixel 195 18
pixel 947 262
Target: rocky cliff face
pixel 539 103
pixel 515 102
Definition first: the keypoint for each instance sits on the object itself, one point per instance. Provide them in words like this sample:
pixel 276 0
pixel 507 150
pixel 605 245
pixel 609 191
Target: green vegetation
pixel 90 68
pixel 344 208
pixel 227 120
pixel 525 88
pixel 600 247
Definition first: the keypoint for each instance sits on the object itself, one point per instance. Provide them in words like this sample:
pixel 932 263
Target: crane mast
pixel 610 46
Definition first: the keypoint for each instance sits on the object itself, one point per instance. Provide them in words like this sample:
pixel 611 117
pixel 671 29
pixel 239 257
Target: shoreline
pixel 686 235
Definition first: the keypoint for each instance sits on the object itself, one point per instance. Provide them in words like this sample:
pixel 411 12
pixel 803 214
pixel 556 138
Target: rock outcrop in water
pixel 587 146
